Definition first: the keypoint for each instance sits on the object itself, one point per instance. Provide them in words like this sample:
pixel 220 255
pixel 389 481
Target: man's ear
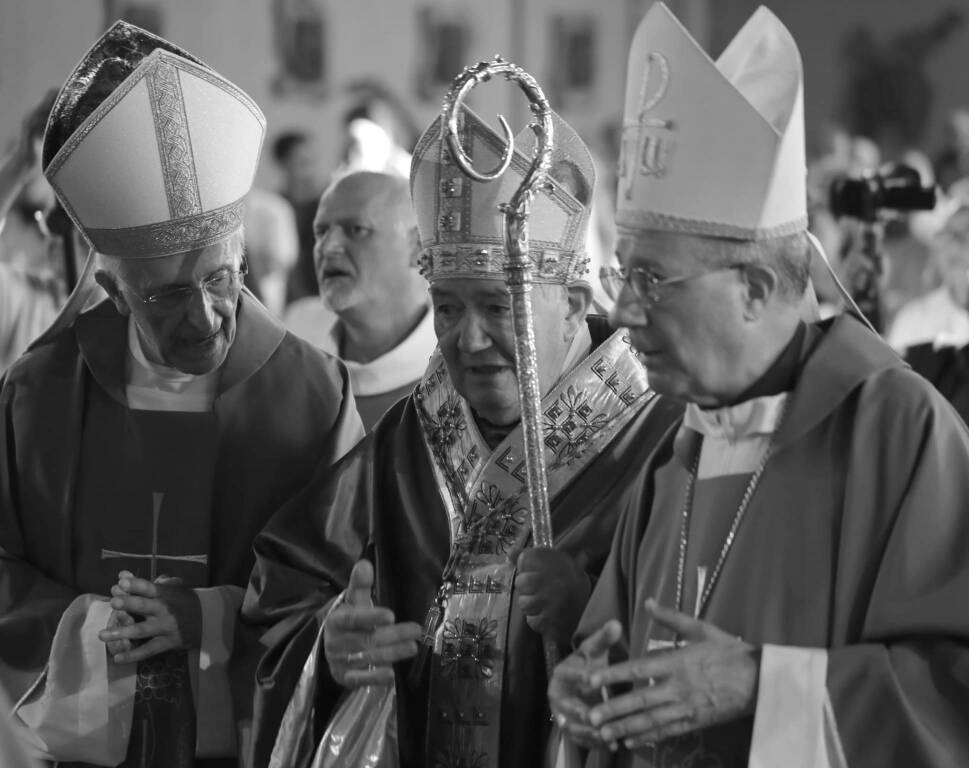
pixel 762 283
pixel 110 285
pixel 414 242
pixel 579 298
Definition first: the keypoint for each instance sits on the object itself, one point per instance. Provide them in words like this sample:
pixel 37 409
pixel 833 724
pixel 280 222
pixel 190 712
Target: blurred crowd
pixel 923 256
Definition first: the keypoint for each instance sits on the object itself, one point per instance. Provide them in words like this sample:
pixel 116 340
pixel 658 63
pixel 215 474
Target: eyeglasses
pixel 221 285
pixel 646 284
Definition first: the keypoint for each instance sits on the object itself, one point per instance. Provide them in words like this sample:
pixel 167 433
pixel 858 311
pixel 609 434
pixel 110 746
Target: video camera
pixel 897 187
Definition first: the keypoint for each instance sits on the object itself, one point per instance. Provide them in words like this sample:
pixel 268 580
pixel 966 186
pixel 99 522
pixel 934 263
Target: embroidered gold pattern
pixel 487 260
pixel 133 242
pixel 571 426
pixel 167 237
pixel 451 250
pixel 653 146
pixel 483 492
pixel 632 221
pixel 458 757
pixel 686 751
pixel 469 648
pixel 174 142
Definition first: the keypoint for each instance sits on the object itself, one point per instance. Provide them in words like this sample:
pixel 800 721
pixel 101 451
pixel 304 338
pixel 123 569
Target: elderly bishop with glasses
pixel 143 444
pixel 787 586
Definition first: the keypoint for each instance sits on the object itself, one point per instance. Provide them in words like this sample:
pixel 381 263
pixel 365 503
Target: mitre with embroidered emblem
pixel 713 148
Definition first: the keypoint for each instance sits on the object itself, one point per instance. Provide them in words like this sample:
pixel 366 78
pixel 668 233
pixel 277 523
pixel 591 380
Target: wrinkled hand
pixel 361 642
pixel 552 589
pixel 115 620
pixel 570 695
pixel 712 679
pixel 167 616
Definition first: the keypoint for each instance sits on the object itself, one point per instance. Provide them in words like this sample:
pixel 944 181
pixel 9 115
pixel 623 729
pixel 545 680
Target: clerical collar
pixel 579 350
pixel 154 387
pixel 395 368
pixel 758 409
pixel 781 376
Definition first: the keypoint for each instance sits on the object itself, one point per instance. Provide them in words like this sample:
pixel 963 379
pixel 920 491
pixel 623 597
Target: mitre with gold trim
pixel 713 148
pixel 150 151
pixel 460 225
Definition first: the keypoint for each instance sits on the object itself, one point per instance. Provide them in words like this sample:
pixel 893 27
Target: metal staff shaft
pixel 518 271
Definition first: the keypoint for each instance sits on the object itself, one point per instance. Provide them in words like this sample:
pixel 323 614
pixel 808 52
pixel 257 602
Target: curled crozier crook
pixel 462 86
pixel 518 272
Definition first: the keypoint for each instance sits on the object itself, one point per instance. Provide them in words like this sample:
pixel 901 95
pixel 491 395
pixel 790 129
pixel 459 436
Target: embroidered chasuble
pixel 145 493
pixel 424 484
pixel 486 500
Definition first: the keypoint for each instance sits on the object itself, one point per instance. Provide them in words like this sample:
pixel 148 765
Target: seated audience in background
pixel 372 310
pixel 940 317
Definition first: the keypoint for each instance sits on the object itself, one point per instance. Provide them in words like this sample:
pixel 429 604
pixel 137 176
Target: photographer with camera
pixel 871 200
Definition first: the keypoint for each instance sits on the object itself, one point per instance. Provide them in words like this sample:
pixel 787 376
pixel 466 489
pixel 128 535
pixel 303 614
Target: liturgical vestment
pixel 424 483
pixel 849 567
pixel 89 486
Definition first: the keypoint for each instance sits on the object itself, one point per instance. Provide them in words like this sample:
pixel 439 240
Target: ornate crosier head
pixel 459 208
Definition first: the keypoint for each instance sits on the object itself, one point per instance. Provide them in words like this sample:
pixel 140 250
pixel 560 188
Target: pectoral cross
pixel 701 583
pixel 153 557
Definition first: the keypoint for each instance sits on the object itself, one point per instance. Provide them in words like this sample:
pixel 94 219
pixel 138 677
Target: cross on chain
pixel 157 497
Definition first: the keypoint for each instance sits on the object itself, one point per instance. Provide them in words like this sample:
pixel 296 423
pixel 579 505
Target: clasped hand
pixel 151 617
pixel 361 641
pixel 552 589
pixel 710 679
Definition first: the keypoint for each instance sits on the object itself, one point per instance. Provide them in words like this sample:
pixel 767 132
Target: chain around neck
pixel 734 525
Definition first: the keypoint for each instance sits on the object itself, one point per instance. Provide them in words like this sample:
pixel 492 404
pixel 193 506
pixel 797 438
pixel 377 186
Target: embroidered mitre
pixel 713 148
pixel 150 151
pixel 461 228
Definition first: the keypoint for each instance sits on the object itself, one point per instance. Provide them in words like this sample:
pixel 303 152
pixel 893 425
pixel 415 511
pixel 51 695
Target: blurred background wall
pixel 306 61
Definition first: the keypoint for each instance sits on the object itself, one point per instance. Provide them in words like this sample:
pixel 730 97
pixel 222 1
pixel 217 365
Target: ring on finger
pixel 355 658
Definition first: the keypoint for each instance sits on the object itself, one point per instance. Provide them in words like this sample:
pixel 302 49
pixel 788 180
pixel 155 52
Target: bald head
pixel 367 245
pixel 385 191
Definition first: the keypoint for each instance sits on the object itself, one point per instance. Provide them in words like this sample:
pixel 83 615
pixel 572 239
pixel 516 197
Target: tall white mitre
pixel 713 148
pixel 150 151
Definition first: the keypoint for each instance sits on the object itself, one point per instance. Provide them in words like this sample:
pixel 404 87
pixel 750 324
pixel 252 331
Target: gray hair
pixel 789 256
